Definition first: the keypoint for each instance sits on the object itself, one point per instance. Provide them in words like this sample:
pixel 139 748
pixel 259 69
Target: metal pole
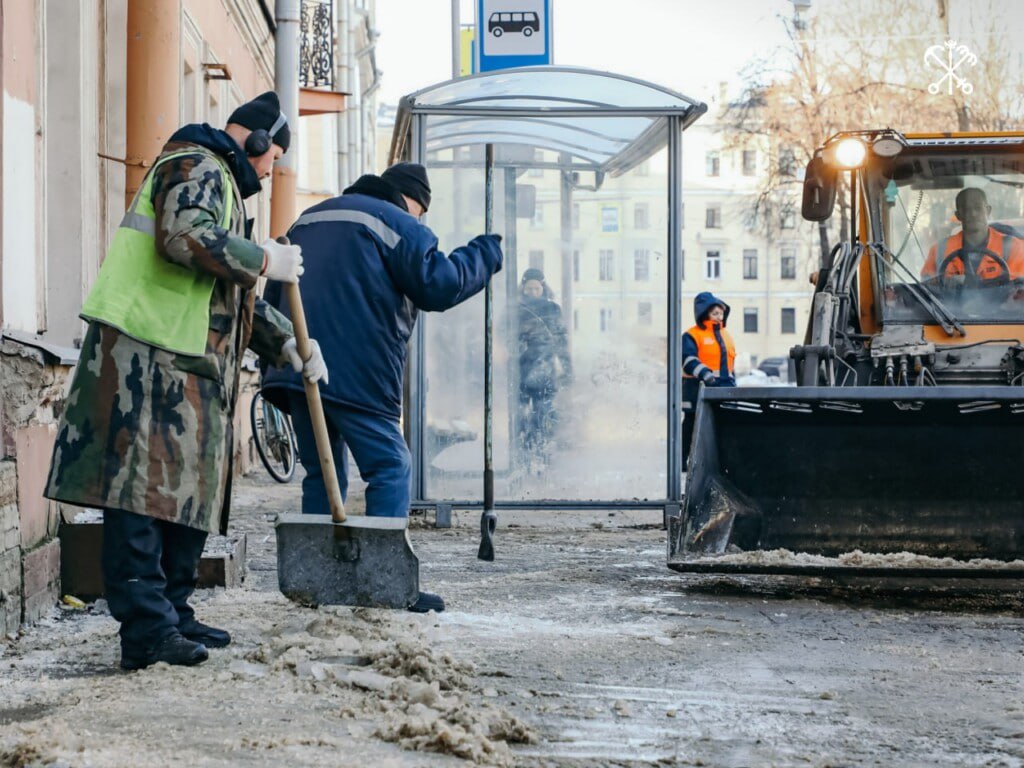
pixel 488 520
pixel 511 269
pixel 286 83
pixel 675 317
pixel 456 40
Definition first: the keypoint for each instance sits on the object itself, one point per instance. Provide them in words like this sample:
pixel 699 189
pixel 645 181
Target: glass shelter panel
pixel 580 339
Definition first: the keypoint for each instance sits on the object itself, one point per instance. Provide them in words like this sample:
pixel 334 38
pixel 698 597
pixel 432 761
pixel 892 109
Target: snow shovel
pixel 337 559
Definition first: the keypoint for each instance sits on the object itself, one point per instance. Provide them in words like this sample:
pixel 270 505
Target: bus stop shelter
pixel 586 187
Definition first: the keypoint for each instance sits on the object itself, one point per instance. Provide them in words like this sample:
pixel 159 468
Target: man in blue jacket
pixel 370 266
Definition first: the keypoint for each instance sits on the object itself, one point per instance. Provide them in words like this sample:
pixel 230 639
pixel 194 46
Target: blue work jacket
pixel 369 268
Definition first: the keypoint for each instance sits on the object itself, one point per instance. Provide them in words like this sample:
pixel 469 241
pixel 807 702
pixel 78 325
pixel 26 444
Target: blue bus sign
pixel 513 33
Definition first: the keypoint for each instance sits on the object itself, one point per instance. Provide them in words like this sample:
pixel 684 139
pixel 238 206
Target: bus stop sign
pixel 513 33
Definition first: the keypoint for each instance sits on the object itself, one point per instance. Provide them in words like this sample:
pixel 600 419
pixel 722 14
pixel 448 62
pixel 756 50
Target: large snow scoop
pixel 337 559
pixel 929 472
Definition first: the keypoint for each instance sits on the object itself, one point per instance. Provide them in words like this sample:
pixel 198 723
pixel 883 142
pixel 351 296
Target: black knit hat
pixel 264 112
pixel 411 180
pixel 533 274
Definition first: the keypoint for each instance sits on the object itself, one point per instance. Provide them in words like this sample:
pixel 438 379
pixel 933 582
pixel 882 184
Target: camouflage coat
pixel 149 431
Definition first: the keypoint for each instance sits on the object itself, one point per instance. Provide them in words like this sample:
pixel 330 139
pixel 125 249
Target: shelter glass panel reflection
pixel 580 318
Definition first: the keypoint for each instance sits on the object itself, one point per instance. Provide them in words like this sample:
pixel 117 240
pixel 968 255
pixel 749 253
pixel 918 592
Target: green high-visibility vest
pixel 144 295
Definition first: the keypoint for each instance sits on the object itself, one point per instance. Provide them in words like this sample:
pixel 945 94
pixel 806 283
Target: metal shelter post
pixel 674 490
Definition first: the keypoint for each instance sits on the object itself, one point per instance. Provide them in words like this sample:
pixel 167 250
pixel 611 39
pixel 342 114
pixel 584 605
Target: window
pixel 575 319
pixel 641 264
pixel 750 263
pixel 575 215
pixel 537 260
pixel 538 216
pixel 641 216
pixel 644 169
pixel 606 319
pixel 606 265
pixel 749 320
pixel 538 157
pixel 575 266
pixel 788 218
pixel 750 220
pixel 749 162
pixel 788 263
pixel 712 164
pixel 787 161
pixel 713 217
pixel 788 320
pixel 610 218
pixel 644 313
pixel 713 265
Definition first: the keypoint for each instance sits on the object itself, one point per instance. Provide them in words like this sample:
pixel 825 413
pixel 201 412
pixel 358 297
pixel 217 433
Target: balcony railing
pixel 316 56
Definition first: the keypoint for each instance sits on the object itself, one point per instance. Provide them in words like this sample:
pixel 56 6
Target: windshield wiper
pixel 939 311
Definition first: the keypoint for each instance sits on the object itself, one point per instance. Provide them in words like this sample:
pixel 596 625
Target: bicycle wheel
pixel 274 438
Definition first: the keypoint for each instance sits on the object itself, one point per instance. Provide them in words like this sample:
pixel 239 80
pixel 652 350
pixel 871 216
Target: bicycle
pixel 275 439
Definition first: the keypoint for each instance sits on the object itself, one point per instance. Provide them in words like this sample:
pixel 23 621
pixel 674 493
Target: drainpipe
pixel 152 86
pixel 352 106
pixel 344 75
pixel 286 83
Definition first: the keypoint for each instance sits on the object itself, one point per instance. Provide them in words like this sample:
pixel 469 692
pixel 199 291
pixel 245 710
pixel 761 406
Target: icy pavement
pixel 576 647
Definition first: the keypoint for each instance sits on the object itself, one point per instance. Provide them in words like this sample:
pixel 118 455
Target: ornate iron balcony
pixel 316 56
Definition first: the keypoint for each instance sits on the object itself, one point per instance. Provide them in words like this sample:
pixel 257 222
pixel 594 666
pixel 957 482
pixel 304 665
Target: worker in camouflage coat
pixel 147 431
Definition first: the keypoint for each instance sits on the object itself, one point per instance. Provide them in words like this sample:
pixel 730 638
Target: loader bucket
pixel 856 480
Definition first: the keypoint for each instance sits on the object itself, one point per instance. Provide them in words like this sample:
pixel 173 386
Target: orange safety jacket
pixel 715 350
pixel 1009 247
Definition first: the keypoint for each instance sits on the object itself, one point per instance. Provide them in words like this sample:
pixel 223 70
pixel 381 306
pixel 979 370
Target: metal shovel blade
pixel 362 562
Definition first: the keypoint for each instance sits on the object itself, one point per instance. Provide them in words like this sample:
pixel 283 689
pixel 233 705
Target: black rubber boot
pixel 173 649
pixel 427 601
pixel 209 636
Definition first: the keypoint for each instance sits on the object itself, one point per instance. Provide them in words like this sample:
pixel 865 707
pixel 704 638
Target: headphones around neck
pixel 259 141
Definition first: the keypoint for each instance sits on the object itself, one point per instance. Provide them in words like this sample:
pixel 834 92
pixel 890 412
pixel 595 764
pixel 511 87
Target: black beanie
pixel 411 180
pixel 263 112
pixel 533 274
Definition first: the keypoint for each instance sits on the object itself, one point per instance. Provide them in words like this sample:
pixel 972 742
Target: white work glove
pixel 284 262
pixel 314 369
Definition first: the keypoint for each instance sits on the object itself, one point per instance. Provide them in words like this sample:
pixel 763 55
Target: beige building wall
pixel 781 254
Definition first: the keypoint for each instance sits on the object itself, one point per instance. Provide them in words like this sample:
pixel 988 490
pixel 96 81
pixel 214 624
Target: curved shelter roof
pixel 597 120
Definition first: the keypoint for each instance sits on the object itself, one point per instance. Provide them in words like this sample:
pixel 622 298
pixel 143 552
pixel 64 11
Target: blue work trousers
pixel 150 568
pixel 376 444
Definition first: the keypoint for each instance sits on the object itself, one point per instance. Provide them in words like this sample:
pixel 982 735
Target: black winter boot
pixel 173 649
pixel 427 601
pixel 209 636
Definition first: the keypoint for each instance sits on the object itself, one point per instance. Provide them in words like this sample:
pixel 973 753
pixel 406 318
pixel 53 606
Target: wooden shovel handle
pixel 316 408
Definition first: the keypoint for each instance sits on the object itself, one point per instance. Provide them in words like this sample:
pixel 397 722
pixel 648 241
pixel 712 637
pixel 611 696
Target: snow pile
pixel 420 698
pixel 860 559
pixel 428 709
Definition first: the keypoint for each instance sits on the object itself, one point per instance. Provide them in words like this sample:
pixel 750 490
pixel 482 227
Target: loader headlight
pixel 887 145
pixel 849 153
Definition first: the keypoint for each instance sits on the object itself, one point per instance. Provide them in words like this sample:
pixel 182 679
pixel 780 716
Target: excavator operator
pixel 979 255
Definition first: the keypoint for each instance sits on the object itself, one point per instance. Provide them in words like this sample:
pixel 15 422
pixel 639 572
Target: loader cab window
pixel 955 225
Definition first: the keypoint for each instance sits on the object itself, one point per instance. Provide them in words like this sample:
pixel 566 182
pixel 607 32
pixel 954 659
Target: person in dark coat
pixel 543 359
pixel 370 267
pixel 708 357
